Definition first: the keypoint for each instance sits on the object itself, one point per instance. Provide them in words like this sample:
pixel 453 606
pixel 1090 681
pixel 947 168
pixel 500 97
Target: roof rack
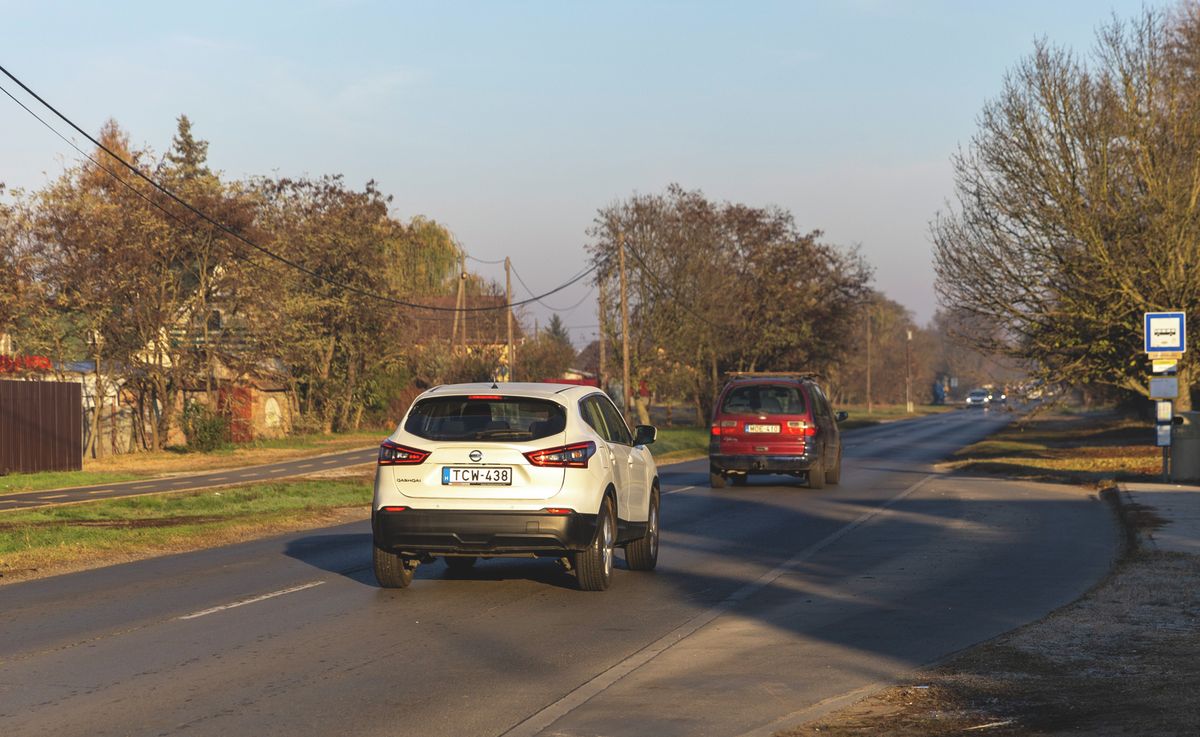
pixel 730 375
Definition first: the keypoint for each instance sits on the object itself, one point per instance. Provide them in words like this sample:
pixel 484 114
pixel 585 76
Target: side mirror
pixel 841 416
pixel 645 434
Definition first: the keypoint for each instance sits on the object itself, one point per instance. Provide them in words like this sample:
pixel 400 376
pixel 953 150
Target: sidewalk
pixel 1179 507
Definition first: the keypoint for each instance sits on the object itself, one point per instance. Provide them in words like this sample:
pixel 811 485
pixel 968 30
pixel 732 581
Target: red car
pixel 774 423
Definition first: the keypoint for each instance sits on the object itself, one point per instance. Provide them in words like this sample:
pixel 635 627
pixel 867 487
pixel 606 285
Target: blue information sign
pixel 1166 332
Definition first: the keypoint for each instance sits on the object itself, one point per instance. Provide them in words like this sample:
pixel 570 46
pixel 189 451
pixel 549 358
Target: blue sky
pixel 512 123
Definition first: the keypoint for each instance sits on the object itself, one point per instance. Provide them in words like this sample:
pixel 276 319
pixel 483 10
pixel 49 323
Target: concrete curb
pixel 1123 507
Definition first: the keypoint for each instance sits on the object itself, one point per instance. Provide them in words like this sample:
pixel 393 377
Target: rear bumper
pixel 416 531
pixel 762 463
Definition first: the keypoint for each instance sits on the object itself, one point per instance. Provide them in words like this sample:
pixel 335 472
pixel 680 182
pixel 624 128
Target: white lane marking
pixel 306 465
pixel 252 600
pixel 676 491
pixel 97 491
pixel 216 478
pixel 542 720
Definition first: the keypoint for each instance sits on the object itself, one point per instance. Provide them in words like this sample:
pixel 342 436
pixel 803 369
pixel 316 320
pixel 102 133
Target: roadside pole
pixel 603 337
pixel 869 407
pixel 1165 344
pixel 908 402
pixel 624 327
pixel 512 356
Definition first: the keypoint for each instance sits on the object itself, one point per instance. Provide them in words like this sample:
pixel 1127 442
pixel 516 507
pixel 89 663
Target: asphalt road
pixel 223 477
pixel 768 600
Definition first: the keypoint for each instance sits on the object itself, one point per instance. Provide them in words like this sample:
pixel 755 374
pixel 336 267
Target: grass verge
pixel 680 443
pixel 58 539
pixel 1092 449
pixel 134 466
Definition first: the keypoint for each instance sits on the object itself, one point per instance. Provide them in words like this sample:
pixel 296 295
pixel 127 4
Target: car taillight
pixel 558 510
pixel 393 454
pixel 393 509
pixel 728 427
pixel 575 455
pixel 800 427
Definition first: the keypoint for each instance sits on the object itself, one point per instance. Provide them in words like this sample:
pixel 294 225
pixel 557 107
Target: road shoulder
pixel 1123 659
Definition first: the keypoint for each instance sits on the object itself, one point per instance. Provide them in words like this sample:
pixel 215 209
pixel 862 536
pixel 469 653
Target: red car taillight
pixel 728 427
pixel 392 454
pixel 575 455
pixel 800 427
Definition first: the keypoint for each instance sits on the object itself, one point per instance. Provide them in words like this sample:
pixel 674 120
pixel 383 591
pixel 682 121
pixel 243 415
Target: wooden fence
pixel 41 426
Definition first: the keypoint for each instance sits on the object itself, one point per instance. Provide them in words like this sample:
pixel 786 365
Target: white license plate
pixel 762 428
pixel 477 476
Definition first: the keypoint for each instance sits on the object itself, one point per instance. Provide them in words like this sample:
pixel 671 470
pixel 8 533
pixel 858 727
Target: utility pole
pixel 908 402
pixel 624 327
pixel 458 298
pixel 463 288
pixel 512 356
pixel 870 316
pixel 603 334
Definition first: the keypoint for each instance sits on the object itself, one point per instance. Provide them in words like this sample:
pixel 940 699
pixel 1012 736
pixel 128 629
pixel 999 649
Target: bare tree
pixel 1078 203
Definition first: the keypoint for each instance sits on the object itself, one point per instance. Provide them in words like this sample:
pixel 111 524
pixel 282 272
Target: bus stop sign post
pixel 1166 342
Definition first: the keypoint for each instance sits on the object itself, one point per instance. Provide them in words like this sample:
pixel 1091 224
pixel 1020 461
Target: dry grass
pixel 1084 449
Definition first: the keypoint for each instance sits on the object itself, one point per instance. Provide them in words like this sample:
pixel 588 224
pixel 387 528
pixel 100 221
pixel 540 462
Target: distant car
pixel 998 396
pixel 977 398
pixel 774 424
pixel 484 470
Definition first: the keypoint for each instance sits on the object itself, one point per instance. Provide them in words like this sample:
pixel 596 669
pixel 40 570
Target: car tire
pixel 716 479
pixel 594 566
pixel 642 554
pixel 833 476
pixel 456 564
pixel 392 571
pixel 816 476
pixel 740 479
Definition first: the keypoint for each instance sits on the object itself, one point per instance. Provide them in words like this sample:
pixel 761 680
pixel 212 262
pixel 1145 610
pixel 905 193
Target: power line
pixel 238 236
pixel 552 307
pixel 483 261
pixel 118 179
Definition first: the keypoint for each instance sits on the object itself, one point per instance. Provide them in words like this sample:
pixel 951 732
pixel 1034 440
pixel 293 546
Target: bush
pixel 205 429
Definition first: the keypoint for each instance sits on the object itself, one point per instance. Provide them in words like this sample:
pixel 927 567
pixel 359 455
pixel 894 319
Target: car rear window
pixel 485 418
pixel 763 399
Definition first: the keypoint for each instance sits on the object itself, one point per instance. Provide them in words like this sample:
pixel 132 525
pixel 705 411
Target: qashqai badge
pixel 476 456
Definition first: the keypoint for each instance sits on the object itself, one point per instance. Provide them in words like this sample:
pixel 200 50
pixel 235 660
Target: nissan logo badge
pixel 476 456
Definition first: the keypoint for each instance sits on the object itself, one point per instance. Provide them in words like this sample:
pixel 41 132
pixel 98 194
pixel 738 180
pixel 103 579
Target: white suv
pixel 548 470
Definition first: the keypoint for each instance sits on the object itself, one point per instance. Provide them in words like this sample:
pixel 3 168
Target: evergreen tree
pixel 557 331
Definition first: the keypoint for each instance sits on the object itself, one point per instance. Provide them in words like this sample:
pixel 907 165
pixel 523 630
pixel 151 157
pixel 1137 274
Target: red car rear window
pixel 763 399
